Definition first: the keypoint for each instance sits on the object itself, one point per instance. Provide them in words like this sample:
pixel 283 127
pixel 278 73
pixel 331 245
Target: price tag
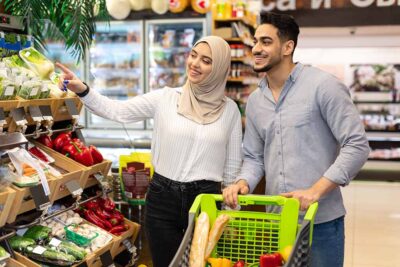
pixel 2 116
pixel 9 90
pixel 39 250
pixel 46 113
pixel 35 113
pixel 27 54
pixel 34 91
pixel 99 177
pixel 18 115
pixel 55 242
pixel 21 232
pixel 128 245
pixel 71 107
pixel 106 259
pixel 39 197
pixel 45 88
pixel 74 188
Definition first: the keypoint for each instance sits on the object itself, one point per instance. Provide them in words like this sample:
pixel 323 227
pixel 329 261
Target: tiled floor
pixel 372 224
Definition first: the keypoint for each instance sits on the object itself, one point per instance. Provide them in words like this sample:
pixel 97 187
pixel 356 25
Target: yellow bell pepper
pixel 219 262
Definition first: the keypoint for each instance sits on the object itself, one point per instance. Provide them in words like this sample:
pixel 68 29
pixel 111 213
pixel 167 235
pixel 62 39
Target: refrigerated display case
pixel 168 44
pixel 116 66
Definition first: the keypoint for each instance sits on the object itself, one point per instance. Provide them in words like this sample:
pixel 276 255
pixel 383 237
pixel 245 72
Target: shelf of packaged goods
pixel 246 42
pixel 245 20
pixel 383 136
pixel 384 165
pixel 167 69
pixel 170 49
pixel 242 60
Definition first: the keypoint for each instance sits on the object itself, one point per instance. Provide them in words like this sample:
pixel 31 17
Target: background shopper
pixel 196 141
pixel 303 134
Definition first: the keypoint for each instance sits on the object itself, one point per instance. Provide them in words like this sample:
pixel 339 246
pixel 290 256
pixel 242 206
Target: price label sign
pixel 74 187
pixel 71 107
pixel 35 112
pixel 55 242
pixel 39 197
pixel 18 115
pixel 46 113
pixel 106 259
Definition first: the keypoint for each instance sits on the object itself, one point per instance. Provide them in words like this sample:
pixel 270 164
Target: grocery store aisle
pixel 372 224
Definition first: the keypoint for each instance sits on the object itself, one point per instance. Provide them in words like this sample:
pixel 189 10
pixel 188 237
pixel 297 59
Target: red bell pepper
pixel 271 260
pixel 92 205
pixel 61 140
pixel 83 155
pixel 69 150
pixel 78 142
pixel 239 263
pixel 39 154
pixel 90 216
pixel 97 156
pixel 46 140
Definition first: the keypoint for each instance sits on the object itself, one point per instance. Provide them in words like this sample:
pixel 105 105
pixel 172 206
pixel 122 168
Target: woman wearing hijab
pixel 196 143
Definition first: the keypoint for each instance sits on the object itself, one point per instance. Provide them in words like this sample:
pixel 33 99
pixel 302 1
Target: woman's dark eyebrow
pixel 193 50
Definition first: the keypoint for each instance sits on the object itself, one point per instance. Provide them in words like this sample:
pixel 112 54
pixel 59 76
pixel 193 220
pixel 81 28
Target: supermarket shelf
pixel 244 20
pixel 170 49
pixel 238 80
pixel 383 165
pixel 383 136
pixel 380 170
pixel 167 69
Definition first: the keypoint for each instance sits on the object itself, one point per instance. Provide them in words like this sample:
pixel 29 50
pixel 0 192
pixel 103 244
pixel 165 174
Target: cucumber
pixel 38 233
pixel 72 249
pixel 51 256
pixel 3 252
pixel 20 243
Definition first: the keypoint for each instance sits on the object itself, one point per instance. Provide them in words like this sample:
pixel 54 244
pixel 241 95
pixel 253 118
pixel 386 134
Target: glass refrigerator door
pixel 116 67
pixel 168 44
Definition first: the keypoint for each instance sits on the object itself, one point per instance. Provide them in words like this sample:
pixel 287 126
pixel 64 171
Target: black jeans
pixel 166 217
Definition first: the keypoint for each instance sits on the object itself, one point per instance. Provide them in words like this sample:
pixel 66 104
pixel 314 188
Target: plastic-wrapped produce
pixel 45 90
pixel 37 62
pixel 30 90
pixel 7 89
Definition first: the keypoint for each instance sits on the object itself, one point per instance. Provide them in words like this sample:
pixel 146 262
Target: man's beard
pixel 266 68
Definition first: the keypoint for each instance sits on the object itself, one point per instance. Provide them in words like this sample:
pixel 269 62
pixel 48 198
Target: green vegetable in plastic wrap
pixel 3 252
pixel 72 249
pixel 7 89
pixel 38 233
pixel 30 90
pixel 51 256
pixel 37 62
pixel 20 243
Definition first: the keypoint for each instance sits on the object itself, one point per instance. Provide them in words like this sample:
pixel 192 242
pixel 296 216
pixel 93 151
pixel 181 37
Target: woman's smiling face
pixel 199 63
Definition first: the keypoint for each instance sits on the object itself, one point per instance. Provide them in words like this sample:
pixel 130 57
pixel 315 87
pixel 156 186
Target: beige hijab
pixel 204 102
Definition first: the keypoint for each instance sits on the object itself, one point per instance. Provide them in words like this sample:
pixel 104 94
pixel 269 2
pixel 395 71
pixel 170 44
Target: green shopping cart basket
pixel 249 234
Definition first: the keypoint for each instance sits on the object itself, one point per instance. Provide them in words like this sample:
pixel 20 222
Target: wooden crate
pixel 59 109
pixel 14 263
pixel 87 178
pixel 76 171
pixel 36 102
pixel 6 202
pixel 131 234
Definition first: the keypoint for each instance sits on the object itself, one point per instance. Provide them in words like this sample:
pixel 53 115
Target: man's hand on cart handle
pixel 69 80
pixel 230 194
pixel 313 194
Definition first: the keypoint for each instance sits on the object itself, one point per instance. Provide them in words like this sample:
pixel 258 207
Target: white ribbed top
pixel 182 150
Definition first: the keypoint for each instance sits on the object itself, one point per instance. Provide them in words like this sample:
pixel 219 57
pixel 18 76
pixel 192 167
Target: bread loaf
pixel 199 241
pixel 215 233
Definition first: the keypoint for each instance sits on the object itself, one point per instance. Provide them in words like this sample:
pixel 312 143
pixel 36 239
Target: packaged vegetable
pixel 20 243
pixel 37 62
pixel 30 89
pixel 38 233
pixel 48 255
pixel 7 89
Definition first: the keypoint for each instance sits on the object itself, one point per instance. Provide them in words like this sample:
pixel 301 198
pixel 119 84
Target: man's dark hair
pixel 288 29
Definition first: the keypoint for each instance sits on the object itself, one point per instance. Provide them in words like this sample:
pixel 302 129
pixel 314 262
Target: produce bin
pixel 59 109
pixel 249 234
pixel 130 234
pixel 6 203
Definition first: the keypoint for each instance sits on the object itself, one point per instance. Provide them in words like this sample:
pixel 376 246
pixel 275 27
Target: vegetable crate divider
pixel 7 105
pixel 249 234
pixel 59 109
pixel 13 263
pixel 6 203
pixel 131 234
pixel 75 171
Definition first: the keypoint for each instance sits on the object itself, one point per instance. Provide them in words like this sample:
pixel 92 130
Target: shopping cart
pixel 250 234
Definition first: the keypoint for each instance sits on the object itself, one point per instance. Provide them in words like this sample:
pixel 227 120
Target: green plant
pixel 71 21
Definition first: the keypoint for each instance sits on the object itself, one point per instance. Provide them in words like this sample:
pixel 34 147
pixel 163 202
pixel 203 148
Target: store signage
pixel 106 259
pixel 35 113
pixel 46 112
pixel 39 197
pixel 18 115
pixel 285 5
